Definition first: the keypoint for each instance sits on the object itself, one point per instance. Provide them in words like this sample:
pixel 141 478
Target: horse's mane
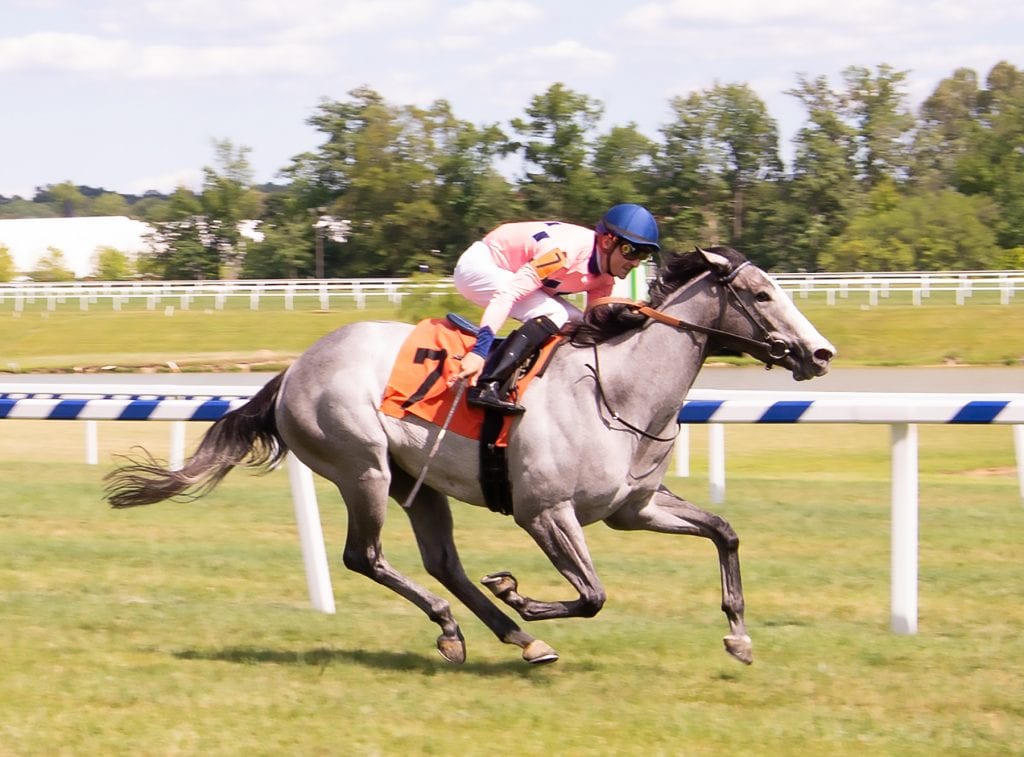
pixel 677 269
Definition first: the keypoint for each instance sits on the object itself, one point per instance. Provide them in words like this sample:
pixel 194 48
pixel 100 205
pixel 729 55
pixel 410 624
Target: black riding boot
pixel 493 386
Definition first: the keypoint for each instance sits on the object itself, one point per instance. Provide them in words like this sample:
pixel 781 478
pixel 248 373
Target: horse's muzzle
pixel 808 364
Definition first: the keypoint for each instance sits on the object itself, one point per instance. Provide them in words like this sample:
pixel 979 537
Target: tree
pixel 110 264
pixel 720 146
pixel 471 196
pixel 1003 143
pixel 823 190
pixel 686 192
pixel 200 235
pixel 286 250
pixel 876 106
pixel 938 231
pixel 19 208
pixel 376 168
pixel 744 145
pixel 109 204
pixel 418 184
pixel 67 199
pixel 554 140
pixel 228 199
pixel 948 129
pixel 52 267
pixel 7 269
pixel 623 164
pixel 182 246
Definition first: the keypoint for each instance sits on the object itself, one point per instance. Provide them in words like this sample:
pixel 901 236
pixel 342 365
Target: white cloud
pixel 490 17
pixel 60 51
pixel 812 13
pixel 293 20
pixel 82 53
pixel 461 42
pixel 557 61
pixel 172 62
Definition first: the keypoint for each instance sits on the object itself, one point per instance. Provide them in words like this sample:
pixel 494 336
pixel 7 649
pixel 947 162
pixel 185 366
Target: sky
pixel 128 95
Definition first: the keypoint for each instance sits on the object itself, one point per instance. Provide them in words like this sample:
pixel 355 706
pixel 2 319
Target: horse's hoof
pixel 453 650
pixel 500 583
pixel 740 647
pixel 539 653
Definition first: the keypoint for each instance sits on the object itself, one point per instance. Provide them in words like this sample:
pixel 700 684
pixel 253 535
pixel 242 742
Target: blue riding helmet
pixel 633 223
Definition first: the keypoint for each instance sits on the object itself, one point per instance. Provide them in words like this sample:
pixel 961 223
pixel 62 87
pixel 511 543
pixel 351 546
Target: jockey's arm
pixel 525 281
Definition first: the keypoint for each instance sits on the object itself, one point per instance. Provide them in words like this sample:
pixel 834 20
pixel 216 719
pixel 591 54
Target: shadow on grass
pixel 382 660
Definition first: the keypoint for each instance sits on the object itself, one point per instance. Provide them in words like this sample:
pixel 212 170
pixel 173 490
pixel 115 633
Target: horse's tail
pixel 245 436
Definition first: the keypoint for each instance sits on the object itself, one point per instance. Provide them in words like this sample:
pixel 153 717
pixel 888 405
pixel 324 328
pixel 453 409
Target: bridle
pixel 777 349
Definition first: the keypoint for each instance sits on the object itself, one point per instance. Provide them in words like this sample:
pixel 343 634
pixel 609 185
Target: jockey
pixel 521 269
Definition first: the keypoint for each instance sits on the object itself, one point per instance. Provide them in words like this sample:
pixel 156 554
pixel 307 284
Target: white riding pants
pixel 478 278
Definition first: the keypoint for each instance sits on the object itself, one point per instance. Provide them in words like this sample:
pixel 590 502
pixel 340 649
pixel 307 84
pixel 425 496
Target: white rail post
pixel 1018 445
pixel 682 451
pixel 92 456
pixel 716 462
pixel 904 529
pixel 176 457
pixel 311 535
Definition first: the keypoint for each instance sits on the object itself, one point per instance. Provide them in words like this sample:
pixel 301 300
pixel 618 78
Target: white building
pixel 30 239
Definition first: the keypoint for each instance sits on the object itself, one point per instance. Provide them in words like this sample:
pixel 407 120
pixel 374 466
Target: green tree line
pixel 873 184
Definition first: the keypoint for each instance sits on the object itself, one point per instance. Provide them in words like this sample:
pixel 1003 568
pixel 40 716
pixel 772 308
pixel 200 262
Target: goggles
pixel 632 251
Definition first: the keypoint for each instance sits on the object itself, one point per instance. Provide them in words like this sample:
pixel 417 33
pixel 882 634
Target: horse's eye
pixel 763 296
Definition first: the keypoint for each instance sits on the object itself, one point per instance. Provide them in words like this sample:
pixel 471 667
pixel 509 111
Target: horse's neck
pixel 648 373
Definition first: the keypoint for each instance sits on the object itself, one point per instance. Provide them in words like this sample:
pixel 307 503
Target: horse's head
pixel 760 319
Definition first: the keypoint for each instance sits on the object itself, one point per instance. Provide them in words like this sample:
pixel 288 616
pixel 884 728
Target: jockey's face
pixel 617 264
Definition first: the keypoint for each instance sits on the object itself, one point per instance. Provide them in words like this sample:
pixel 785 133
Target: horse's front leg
pixel 560 536
pixel 667 513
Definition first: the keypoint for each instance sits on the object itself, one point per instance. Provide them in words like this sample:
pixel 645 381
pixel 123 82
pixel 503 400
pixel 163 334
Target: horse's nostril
pixel 823 355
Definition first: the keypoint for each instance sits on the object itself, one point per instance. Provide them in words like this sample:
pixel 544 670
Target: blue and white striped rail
pixel 746 406
pixel 110 408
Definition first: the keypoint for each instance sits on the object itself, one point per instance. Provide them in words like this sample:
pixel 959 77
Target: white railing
pixel 280 294
pixel 902 412
pixel 919 285
pixel 287 293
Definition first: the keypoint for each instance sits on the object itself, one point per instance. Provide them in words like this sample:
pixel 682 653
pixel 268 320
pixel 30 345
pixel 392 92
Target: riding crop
pixel 437 444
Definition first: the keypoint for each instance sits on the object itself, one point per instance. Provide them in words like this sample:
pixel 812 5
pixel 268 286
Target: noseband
pixel 777 349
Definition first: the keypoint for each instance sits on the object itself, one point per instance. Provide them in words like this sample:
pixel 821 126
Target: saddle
pixel 418 385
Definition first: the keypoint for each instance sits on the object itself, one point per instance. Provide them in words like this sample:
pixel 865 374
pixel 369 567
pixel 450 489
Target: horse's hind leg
pixel 667 513
pixel 431 519
pixel 560 536
pixel 366 500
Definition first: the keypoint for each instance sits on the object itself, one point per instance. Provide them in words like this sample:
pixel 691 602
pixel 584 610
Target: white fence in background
pixel 902 412
pixel 184 295
pixel 322 293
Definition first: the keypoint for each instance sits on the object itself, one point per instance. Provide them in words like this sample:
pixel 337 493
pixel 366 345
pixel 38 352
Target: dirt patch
pixel 1007 470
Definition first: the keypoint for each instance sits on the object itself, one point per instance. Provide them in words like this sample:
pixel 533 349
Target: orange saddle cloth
pixel 427 360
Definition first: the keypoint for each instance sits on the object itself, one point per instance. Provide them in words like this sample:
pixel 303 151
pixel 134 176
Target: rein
pixel 777 349
pixel 615 416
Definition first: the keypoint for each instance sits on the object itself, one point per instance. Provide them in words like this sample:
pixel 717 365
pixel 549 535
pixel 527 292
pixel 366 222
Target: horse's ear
pixel 717 263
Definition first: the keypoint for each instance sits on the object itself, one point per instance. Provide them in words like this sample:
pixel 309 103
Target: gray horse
pixel 593 445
